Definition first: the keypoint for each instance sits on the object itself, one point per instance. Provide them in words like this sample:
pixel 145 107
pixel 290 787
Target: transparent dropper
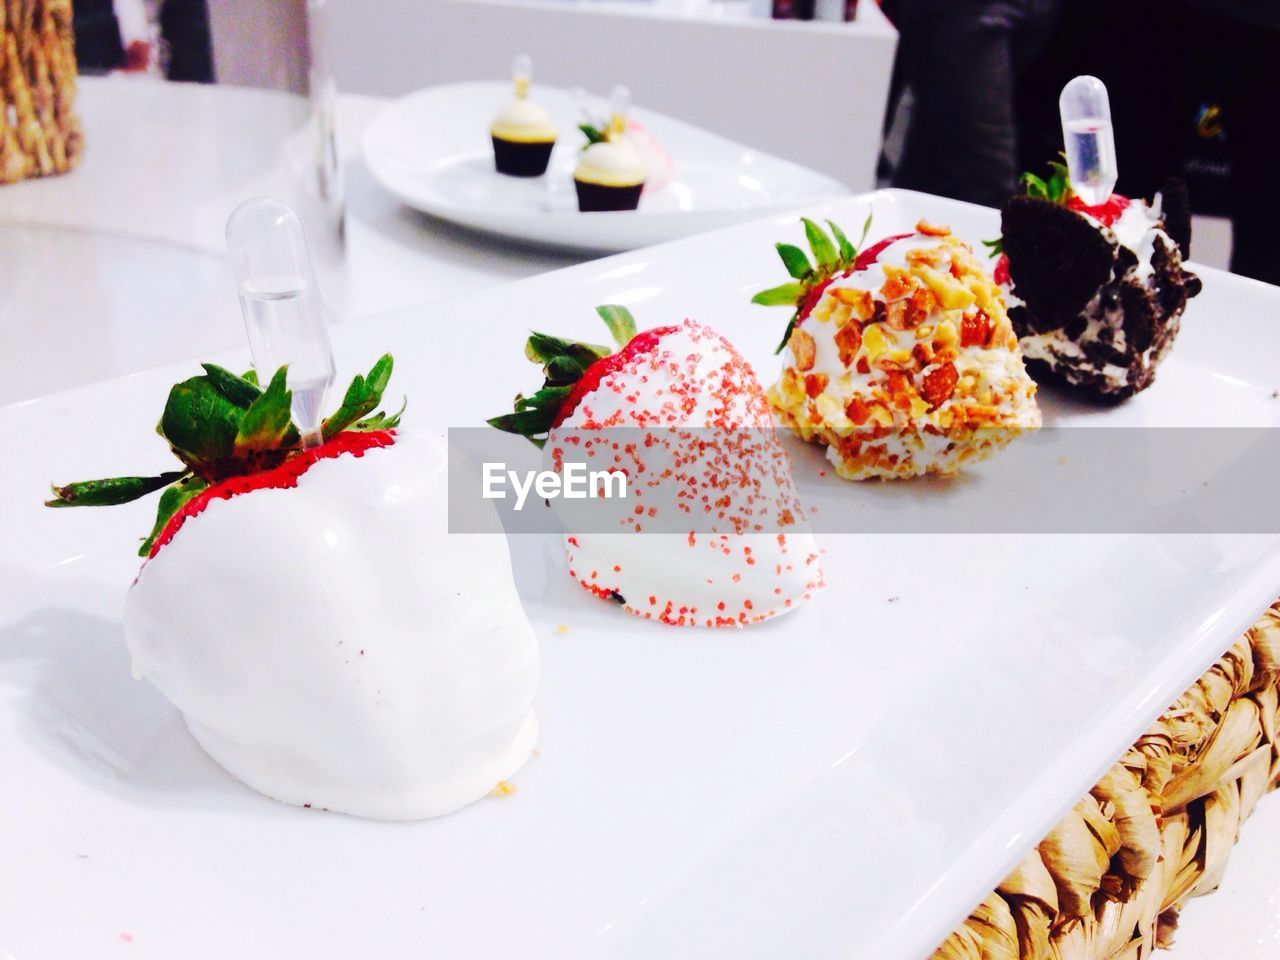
pixel 619 104
pixel 1089 139
pixel 283 314
pixel 521 74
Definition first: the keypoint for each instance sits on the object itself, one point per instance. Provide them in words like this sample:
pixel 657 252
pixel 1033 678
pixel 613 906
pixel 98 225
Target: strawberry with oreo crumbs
pixel 325 638
pixel 711 532
pixel 1096 293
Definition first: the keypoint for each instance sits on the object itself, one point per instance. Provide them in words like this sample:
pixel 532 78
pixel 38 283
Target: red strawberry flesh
pixel 637 346
pixel 870 255
pixel 865 259
pixel 284 476
pixel 1002 271
pixel 1106 213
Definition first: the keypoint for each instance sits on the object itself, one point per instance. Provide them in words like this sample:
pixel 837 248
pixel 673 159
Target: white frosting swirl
pixel 525 121
pixel 613 163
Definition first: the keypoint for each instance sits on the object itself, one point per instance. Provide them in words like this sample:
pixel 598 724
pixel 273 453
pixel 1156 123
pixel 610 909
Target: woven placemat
pixel 39 131
pixel 1107 883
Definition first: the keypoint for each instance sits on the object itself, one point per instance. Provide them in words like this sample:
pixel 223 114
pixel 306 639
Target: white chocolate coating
pixel 334 645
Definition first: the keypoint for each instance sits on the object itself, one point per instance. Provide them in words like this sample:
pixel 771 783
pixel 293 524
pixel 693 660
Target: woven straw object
pixel 1108 881
pixel 41 133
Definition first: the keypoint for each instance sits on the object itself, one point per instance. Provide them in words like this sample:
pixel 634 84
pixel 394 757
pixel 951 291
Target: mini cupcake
pixel 611 173
pixel 523 133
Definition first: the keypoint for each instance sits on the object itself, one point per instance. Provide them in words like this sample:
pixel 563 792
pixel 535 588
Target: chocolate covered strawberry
pixel 711 531
pixel 899 359
pixel 1096 294
pixel 325 638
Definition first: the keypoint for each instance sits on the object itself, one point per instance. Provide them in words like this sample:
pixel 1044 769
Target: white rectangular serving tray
pixel 845 782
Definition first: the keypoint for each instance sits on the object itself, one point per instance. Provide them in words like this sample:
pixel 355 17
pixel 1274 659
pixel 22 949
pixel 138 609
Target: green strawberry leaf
pixel 795 260
pixel 542 348
pixel 222 425
pixel 593 133
pixel 781 296
pixel 533 415
pixel 786 334
pixel 1056 188
pixel 531 425
pixel 251 376
pixel 994 247
pixel 832 257
pixel 239 390
pixel 267 420
pixel 563 362
pixel 848 253
pixel 866 229
pixel 200 423
pixel 1035 186
pixel 380 420
pixel 171 501
pixel 1059 182
pixel 362 397
pixel 824 252
pixel 548 398
pixel 564 369
pixel 109 493
pixel 619 321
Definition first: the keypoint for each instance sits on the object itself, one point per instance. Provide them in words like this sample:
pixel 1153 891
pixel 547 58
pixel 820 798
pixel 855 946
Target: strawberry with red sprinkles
pixel 711 532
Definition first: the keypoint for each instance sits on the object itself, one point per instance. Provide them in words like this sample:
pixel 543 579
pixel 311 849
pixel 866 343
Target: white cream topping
pixel 334 645
pixel 524 119
pixel 611 162
pixel 1136 229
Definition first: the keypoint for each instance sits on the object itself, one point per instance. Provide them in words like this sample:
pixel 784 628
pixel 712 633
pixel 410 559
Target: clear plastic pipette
pixel 521 74
pixel 1089 139
pixel 619 104
pixel 283 314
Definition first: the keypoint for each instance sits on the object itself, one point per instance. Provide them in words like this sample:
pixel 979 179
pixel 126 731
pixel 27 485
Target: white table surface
pixel 119 266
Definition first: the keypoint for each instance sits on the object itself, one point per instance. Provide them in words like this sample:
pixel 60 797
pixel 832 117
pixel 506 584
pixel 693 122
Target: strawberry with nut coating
pixel 900 358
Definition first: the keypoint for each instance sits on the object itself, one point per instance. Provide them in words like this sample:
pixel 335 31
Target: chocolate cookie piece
pixel 1139 312
pixel 1057 259
pixel 1175 207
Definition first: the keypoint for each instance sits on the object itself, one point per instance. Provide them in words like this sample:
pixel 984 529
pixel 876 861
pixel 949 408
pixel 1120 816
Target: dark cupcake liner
pixel 596 197
pixel 521 159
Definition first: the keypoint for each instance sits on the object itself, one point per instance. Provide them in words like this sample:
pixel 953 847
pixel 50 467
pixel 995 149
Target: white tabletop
pixel 120 265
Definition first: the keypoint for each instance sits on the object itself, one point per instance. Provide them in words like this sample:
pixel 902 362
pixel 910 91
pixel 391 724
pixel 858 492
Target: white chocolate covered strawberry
pixel 711 531
pixel 326 639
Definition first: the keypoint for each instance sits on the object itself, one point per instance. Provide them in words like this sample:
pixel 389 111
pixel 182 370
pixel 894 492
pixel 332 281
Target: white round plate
pixel 432 150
